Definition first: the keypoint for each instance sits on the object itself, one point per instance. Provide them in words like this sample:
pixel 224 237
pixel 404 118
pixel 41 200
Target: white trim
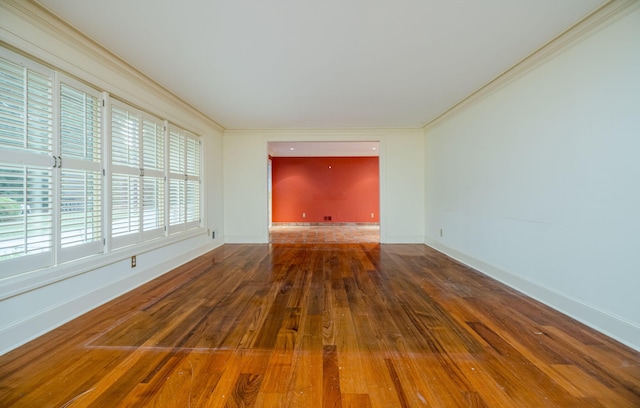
pixel 611 325
pixel 70 164
pixel 12 266
pixel 20 157
pixel 106 172
pixel 70 254
pixel 323 135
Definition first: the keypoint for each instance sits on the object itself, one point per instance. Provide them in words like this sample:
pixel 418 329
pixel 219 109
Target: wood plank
pixel 331 396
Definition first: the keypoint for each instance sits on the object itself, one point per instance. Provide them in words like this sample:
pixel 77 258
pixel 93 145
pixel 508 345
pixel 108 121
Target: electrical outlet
pixel 304 215
pixel 440 231
pixel 133 261
pixel 213 235
pixel 372 215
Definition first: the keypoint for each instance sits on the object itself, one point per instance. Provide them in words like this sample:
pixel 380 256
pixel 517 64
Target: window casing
pixel 80 179
pixel 154 178
pixel 184 180
pixel 80 166
pixel 26 164
pixel 137 176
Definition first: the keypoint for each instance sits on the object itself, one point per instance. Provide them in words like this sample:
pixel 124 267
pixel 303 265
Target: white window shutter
pixel 81 176
pixel 153 185
pixel 184 180
pixel 26 174
pixel 126 190
pixel 82 173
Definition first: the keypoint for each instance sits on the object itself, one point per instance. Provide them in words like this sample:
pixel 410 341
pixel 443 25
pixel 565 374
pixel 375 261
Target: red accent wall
pixel 345 188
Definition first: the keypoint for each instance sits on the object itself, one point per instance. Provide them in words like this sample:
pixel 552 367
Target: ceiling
pixel 300 64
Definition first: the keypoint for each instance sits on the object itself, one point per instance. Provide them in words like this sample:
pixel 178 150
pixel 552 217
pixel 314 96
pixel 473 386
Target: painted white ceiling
pixel 300 64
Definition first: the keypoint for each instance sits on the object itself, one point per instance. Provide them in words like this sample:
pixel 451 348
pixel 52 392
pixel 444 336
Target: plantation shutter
pixel 184 180
pixel 176 180
pixel 138 178
pixel 81 171
pixel 153 185
pixel 26 165
pixel 78 179
pixel 193 182
pixel 126 174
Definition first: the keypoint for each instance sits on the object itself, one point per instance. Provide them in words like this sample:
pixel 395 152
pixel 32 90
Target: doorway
pixel 324 192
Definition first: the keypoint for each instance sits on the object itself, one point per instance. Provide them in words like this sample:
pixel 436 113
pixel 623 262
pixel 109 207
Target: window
pixel 125 175
pixel 75 176
pixel 138 179
pixel 153 185
pixel 26 164
pixel 80 164
pixel 184 180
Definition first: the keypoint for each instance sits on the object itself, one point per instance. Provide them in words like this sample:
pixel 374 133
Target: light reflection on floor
pixel 321 234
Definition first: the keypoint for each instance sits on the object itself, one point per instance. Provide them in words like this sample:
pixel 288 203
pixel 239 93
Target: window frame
pixel 41 159
pixel 77 165
pixel 137 176
pixel 181 177
pixel 64 261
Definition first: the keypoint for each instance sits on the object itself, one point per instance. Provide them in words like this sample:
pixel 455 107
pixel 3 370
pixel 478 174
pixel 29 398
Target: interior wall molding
pixel 580 30
pixel 86 56
pixel 325 134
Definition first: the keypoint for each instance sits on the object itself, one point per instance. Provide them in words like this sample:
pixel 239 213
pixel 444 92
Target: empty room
pixel 211 203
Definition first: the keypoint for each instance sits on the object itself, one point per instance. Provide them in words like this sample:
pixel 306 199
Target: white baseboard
pixel 600 320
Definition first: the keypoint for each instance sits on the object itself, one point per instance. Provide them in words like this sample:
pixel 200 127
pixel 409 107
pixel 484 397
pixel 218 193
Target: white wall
pixel 538 182
pixel 213 186
pixel 34 303
pixel 401 181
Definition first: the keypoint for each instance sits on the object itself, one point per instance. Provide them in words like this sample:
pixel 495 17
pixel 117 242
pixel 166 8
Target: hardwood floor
pixel 323 234
pixel 346 325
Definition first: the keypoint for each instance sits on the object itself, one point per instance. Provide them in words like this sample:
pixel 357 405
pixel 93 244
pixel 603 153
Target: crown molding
pixel 60 36
pixel 324 132
pixel 578 31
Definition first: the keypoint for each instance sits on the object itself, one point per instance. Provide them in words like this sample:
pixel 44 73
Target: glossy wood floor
pixel 321 234
pixel 352 325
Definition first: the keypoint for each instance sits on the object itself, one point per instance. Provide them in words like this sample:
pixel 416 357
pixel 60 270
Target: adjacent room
pixel 210 203
pixel 324 192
